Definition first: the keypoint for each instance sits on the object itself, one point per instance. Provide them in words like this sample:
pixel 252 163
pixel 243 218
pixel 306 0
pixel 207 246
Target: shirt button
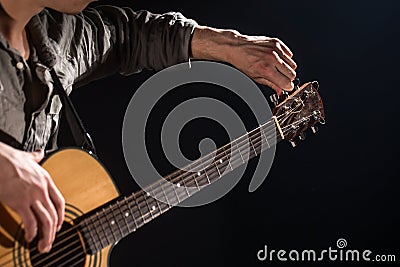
pixel 20 65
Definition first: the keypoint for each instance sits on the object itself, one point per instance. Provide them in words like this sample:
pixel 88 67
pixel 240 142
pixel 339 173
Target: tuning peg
pixel 314 129
pixel 285 94
pixel 315 84
pixel 296 83
pixel 302 136
pixel 274 99
pixel 293 143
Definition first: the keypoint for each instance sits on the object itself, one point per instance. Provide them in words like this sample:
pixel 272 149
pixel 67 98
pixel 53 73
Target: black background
pixel 340 183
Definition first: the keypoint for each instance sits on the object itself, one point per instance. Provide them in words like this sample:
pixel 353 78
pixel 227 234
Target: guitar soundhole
pixel 67 250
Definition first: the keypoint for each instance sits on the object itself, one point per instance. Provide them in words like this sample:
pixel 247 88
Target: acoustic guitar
pixel 97 217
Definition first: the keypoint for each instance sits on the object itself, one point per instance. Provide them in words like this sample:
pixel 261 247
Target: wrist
pixel 214 44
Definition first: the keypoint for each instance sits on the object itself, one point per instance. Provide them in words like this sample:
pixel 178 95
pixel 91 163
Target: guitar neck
pixel 110 223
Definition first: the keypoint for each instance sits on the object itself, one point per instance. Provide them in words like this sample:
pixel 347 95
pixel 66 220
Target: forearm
pixel 214 44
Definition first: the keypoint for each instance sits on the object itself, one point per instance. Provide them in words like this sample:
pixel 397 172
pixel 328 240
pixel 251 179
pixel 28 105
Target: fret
pixel 165 195
pixel 108 223
pixel 144 207
pixel 266 139
pixel 228 158
pixel 151 209
pixel 252 145
pixel 114 224
pixel 123 214
pixel 132 215
pixel 128 216
pixel 142 214
pixel 118 218
pixel 155 199
pixel 160 200
pixel 197 184
pixel 94 243
pixel 169 194
pixel 103 226
pixel 136 213
pixel 205 170
pixel 182 186
pixel 236 160
pixel 103 229
pixel 221 164
pixel 96 233
pixel 190 182
pixel 214 175
pixel 216 166
pixel 186 187
pixel 180 189
pixel 173 189
pixel 239 150
pixel 95 221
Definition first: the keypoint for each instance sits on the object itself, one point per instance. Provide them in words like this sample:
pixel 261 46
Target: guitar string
pixel 157 215
pixel 181 179
pixel 57 259
pixel 171 175
pixel 255 155
pixel 214 171
pixel 157 203
pixel 69 230
pixel 106 234
pixel 257 145
pixel 160 211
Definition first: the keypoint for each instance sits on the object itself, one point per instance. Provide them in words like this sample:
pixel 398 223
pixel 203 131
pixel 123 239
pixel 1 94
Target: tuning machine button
pixel 315 85
pixel 296 83
pixel 274 99
pixel 302 136
pixel 285 94
pixel 293 143
pixel 314 129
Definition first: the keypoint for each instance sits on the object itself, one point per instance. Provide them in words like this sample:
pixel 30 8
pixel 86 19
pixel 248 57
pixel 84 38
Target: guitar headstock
pixel 299 111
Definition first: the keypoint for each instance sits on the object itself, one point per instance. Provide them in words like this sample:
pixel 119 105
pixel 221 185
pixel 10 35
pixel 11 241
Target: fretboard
pixel 110 223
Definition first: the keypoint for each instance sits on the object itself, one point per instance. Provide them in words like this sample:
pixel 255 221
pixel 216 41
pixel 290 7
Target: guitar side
pixel 85 185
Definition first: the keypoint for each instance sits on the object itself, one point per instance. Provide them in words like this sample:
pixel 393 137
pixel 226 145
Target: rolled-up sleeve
pixel 105 40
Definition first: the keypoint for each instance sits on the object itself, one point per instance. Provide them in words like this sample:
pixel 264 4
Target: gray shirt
pixel 95 43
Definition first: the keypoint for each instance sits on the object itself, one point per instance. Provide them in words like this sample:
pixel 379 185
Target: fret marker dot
pixel 148 194
pixel 178 185
pixel 153 208
pixel 127 214
pixel 112 222
pixel 198 173
pixel 220 161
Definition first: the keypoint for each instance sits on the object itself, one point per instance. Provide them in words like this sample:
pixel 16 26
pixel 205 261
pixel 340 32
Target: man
pixel 37 35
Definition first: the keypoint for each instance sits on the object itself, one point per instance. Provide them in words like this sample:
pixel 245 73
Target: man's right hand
pixel 28 189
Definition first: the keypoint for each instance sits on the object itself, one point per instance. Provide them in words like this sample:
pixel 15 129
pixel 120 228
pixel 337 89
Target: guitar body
pixel 85 185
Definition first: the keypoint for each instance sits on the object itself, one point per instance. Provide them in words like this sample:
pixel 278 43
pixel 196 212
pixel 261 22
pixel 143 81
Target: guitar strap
pixel 79 133
pixel 9 140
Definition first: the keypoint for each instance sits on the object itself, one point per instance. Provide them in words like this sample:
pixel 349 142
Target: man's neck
pixel 14 16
